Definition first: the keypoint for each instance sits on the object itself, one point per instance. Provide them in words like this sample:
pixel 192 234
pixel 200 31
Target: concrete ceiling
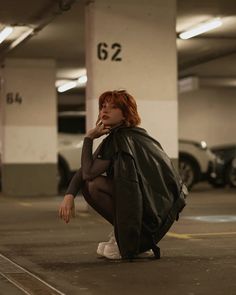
pixel 59 34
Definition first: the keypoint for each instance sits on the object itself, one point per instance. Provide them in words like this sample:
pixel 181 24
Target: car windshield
pixel 71 124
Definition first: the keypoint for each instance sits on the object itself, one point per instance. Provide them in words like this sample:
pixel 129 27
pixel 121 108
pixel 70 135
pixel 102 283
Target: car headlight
pixel 203 144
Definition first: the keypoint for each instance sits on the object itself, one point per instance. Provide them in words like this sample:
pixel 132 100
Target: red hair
pixel 125 102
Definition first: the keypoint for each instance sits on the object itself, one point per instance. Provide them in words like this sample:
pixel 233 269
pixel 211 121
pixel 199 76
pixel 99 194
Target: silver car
pixel 198 163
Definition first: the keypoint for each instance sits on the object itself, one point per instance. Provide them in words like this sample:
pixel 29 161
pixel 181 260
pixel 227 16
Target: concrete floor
pixel 198 254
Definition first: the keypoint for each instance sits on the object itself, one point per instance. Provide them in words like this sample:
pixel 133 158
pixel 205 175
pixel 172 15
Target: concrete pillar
pixel 29 127
pixel 132 45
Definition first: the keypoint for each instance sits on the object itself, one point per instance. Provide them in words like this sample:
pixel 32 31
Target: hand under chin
pixel 107 126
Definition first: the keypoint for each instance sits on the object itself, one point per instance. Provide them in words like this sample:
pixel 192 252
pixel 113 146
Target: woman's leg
pixel 98 193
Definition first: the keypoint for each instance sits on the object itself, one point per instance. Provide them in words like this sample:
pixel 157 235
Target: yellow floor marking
pixel 213 234
pixel 25 204
pixel 178 236
pixel 189 236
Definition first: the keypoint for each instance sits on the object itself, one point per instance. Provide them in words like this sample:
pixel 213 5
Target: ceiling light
pixel 67 86
pixel 21 38
pixel 5 33
pixel 82 79
pixel 202 28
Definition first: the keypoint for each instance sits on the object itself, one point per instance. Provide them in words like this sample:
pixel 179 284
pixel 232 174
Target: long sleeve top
pixel 91 167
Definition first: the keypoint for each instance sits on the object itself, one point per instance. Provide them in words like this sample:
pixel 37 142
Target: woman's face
pixel 110 114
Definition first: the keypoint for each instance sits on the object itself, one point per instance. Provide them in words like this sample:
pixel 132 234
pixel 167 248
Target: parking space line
pixel 190 236
pixel 19 277
pixel 25 204
pixel 213 234
pixel 178 236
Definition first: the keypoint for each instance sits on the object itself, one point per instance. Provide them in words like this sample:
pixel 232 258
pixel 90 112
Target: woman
pixel 141 194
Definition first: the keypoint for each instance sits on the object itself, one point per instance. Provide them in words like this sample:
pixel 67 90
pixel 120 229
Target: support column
pixel 29 130
pixel 132 45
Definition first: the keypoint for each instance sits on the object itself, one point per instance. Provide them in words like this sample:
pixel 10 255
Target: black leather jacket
pixel 148 191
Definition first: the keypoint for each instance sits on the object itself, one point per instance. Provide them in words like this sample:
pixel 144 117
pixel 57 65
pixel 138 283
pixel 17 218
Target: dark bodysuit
pixel 96 188
pixel 91 166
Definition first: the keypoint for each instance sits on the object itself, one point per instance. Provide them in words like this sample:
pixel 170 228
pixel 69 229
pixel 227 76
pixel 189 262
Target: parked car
pixel 227 153
pixel 71 130
pixel 198 163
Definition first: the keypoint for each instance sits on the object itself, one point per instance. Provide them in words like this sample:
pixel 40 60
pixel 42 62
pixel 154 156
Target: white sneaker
pixel 111 251
pixel 146 254
pixel 101 246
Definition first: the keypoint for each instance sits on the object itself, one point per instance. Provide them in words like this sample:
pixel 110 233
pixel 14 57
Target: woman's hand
pixel 98 131
pixel 67 208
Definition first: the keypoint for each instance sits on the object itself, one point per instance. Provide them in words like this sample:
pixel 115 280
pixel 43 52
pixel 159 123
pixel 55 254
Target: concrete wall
pixel 208 114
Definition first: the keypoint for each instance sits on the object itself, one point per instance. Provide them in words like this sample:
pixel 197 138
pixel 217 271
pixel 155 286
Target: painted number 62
pixel 103 51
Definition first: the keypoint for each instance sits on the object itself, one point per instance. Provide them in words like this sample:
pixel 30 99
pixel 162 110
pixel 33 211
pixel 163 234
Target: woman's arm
pixel 91 166
pixel 75 184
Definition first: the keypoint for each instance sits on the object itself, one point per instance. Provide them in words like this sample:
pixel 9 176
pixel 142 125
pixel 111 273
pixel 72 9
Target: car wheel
pixel 60 177
pixel 231 173
pixel 187 172
pixel 62 174
pixel 218 182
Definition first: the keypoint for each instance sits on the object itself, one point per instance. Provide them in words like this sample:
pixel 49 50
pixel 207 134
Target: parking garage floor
pixel 41 255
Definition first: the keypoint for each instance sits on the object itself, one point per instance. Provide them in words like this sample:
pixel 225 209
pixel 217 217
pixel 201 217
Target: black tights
pixel 98 194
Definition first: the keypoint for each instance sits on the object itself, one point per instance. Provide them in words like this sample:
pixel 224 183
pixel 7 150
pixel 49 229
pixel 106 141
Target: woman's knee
pixel 88 192
pixel 92 186
pixel 97 185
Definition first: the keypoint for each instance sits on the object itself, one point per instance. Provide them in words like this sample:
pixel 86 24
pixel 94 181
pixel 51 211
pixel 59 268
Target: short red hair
pixel 125 102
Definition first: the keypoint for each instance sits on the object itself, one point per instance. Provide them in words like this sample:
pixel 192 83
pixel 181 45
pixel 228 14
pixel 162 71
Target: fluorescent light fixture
pixel 5 33
pixel 21 38
pixel 82 79
pixel 201 28
pixel 64 85
pixel 67 86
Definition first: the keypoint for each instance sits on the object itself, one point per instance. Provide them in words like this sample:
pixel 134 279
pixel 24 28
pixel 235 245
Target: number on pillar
pixel 13 98
pixel 103 51
pixel 115 55
pixel 10 98
pixel 18 98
